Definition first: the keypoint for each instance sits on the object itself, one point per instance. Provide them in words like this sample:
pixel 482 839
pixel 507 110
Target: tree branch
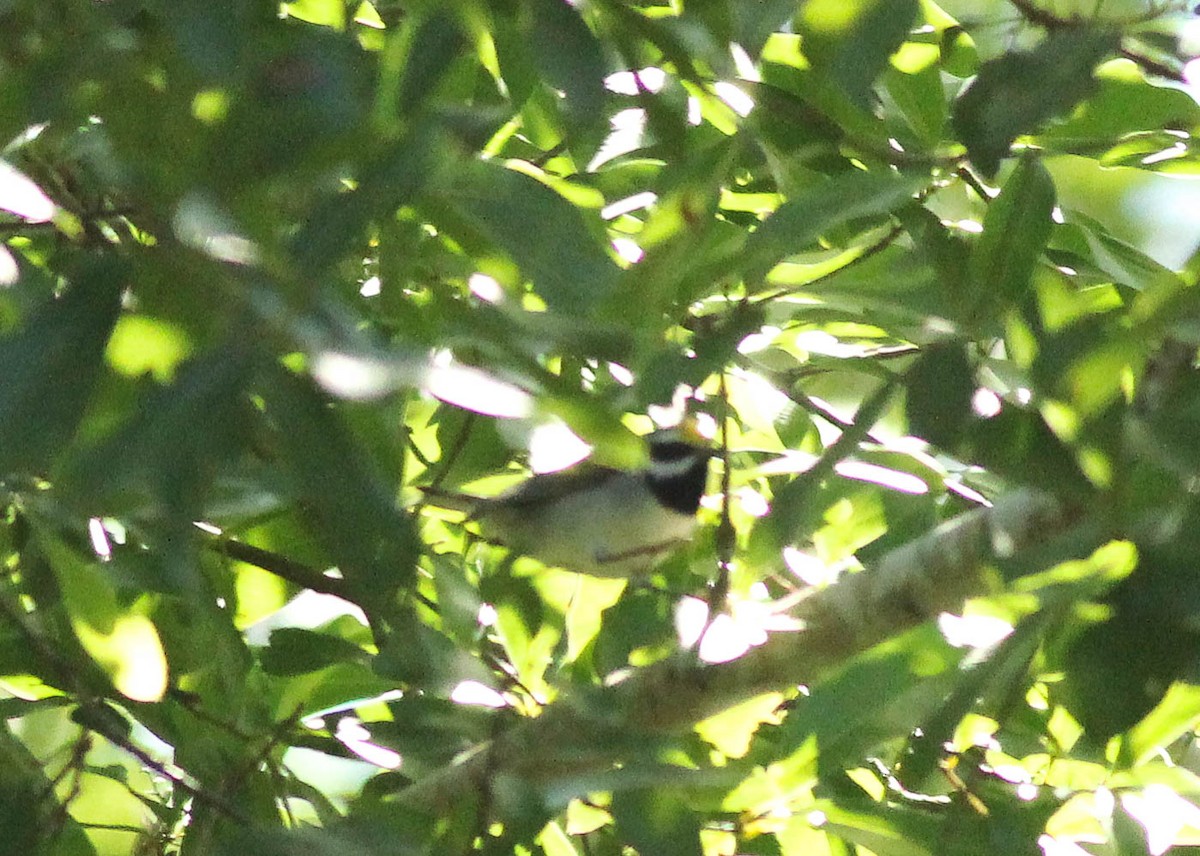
pixel 913 584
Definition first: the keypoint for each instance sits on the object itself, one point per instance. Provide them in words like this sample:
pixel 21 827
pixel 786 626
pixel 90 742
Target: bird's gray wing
pixel 549 487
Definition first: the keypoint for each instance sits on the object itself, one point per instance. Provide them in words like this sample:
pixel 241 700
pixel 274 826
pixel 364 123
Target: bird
pixel 598 520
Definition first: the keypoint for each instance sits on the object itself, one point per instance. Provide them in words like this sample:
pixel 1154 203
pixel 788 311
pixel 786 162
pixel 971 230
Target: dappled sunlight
pixel 730 634
pixel 203 225
pixel 351 733
pixel 475 693
pixel 20 195
pixel 133 655
pixel 553 446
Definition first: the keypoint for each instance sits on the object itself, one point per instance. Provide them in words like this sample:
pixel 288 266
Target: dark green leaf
pixel 940 387
pixel 1015 230
pixel 562 257
pixel 567 55
pixel 1017 92
pixel 851 40
pixel 416 57
pixel 294 651
pixel 807 216
pixel 51 364
pixel 646 818
pixel 389 181
pixel 351 507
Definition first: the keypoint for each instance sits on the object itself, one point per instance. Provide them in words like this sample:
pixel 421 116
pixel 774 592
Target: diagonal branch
pixel 934 574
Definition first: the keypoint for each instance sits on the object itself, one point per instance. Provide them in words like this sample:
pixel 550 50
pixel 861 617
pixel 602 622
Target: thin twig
pixel 302 575
pixel 1151 65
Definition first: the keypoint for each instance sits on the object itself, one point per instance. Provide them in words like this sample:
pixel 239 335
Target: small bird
pixel 598 520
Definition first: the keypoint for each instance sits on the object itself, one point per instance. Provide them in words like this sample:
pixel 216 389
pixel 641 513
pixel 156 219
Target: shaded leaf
pixel 562 256
pixel 938 401
pixel 1017 92
pixel 647 817
pixel 50 365
pixel 805 217
pixel 1015 230
pixel 567 55
pixel 295 651
pixel 351 508
pixel 851 40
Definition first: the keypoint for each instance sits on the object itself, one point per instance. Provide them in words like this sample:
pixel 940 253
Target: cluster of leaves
pixel 268 267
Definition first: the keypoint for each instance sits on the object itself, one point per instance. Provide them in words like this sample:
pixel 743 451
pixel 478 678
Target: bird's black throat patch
pixel 681 491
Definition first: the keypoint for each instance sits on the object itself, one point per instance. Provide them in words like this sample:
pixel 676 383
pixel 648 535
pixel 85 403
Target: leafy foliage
pixel 266 269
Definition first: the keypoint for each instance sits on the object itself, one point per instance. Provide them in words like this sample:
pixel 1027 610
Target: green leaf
pixel 895 832
pixel 389 180
pixel 1119 669
pixel 1017 92
pixel 1015 230
pixel 998 678
pixel 1124 102
pixel 31 820
pixel 416 58
pixel 327 13
pixel 877 697
pixel 51 363
pixel 124 643
pixel 805 217
pixel 656 821
pixel 851 40
pixel 567 55
pixel 351 508
pixel 1097 246
pixel 1177 713
pixel 1018 445
pixel 940 386
pixel 162 461
pixel 562 256
pixel 295 651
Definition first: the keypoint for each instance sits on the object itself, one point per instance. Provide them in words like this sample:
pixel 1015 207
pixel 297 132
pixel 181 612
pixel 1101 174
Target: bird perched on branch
pixel 598 520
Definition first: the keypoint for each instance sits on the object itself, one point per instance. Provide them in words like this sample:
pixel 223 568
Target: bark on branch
pixel 934 574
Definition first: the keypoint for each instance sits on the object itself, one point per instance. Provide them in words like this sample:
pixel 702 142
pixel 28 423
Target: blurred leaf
pixel 1015 230
pixel 1120 668
pixel 295 651
pixel 51 364
pixel 804 218
pixel 999 678
pixel 567 55
pixel 562 257
pixel 897 832
pixel 1018 444
pixel 350 506
pixel 416 57
pixel 27 823
pixel 851 41
pixel 389 181
pixel 940 386
pixel 161 462
pixel 1124 102
pixel 651 816
pixel 877 697
pixel 328 13
pixel 1017 92
pixel 1178 713
pixel 1126 264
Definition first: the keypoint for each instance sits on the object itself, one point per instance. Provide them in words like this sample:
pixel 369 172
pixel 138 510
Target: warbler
pixel 595 519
